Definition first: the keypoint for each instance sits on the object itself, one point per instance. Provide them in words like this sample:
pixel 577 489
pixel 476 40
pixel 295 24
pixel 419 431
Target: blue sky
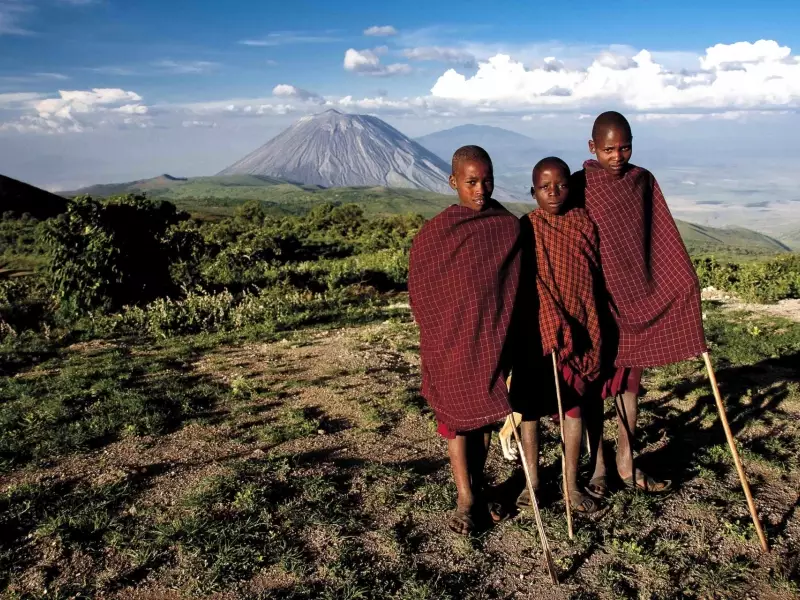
pixel 100 90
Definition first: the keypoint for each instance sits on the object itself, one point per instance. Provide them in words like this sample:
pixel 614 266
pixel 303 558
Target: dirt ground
pixel 375 441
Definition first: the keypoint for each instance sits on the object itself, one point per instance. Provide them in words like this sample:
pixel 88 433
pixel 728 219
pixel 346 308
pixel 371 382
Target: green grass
pixel 74 400
pixel 334 524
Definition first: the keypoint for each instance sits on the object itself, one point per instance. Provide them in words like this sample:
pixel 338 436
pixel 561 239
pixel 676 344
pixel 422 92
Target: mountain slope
pixel 501 144
pixel 332 149
pixel 699 238
pixel 18 198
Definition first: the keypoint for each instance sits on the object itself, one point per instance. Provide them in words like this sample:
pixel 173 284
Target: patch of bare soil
pixel 785 309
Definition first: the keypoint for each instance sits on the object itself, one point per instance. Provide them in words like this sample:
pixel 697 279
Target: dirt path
pixel 342 407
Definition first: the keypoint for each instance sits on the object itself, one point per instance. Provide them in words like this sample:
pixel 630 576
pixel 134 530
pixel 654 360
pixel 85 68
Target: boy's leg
pixel 530 446
pixel 627 406
pixel 573 430
pixel 593 413
pixel 458 449
pixel 468 454
pixel 627 412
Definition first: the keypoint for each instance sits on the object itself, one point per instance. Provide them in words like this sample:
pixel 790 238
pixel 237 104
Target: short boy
pixel 463 280
pixel 567 274
pixel 653 288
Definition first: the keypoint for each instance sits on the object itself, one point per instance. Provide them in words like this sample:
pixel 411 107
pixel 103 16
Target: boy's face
pixel 613 149
pixel 474 182
pixel 551 188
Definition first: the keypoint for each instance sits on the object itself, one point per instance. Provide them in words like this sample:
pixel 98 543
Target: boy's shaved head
pixel 552 162
pixel 469 153
pixel 610 120
pixel 612 143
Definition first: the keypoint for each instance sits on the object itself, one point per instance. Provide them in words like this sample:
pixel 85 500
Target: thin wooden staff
pixel 735 453
pixel 548 556
pixel 561 416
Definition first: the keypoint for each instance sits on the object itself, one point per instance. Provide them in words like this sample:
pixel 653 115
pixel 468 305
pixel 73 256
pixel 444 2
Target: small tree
pixel 104 255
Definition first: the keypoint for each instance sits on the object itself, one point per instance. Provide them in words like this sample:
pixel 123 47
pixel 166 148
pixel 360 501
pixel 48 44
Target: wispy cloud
pixel 34 77
pixel 455 56
pixel 11 15
pixel 185 67
pixel 159 67
pixel 284 38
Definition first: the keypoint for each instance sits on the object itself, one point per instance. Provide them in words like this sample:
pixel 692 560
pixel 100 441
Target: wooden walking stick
pixel 735 453
pixel 561 415
pixel 548 556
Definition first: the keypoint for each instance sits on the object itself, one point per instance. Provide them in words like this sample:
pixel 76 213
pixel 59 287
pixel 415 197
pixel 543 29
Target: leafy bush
pixel 104 255
pixel 767 281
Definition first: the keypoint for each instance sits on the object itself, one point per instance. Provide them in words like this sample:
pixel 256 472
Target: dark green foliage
pixel 108 254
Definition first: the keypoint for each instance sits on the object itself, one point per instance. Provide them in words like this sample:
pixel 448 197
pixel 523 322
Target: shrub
pixel 765 281
pixel 107 254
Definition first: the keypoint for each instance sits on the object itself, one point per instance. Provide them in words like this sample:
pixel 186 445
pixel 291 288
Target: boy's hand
pixel 510 451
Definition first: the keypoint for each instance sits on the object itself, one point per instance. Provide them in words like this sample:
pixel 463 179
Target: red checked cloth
pixel 653 286
pixel 462 282
pixel 568 280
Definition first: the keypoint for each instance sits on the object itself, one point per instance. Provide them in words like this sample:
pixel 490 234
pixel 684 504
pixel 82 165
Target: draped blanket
pixel 462 282
pixel 568 281
pixel 653 286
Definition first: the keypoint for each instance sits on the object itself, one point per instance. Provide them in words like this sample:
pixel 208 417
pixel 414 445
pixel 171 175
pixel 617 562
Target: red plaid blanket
pixel 462 282
pixel 653 286
pixel 568 279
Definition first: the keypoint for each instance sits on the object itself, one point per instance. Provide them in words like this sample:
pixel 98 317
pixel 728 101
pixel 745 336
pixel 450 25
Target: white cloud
pixel 767 76
pixel 441 54
pixel 284 90
pixel 380 31
pixel 80 110
pixel 367 62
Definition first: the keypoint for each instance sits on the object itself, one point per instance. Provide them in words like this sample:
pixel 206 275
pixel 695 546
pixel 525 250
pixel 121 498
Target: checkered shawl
pixel 462 282
pixel 568 279
pixel 653 286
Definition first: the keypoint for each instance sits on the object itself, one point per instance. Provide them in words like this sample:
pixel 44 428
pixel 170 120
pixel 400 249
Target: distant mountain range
pixel 333 149
pixel 218 196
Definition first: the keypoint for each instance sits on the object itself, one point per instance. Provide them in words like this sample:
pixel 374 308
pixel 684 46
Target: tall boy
pixel 567 274
pixel 463 279
pixel 653 288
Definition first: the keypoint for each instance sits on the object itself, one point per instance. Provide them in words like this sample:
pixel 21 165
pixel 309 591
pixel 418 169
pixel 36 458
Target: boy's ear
pixel 592 147
pixel 533 192
pixel 452 182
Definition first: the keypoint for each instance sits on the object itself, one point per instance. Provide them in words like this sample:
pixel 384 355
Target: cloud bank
pixel 735 76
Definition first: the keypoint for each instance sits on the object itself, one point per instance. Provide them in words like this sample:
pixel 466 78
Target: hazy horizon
pixel 713 100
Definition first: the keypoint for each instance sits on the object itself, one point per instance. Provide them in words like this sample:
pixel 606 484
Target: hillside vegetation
pixel 216 197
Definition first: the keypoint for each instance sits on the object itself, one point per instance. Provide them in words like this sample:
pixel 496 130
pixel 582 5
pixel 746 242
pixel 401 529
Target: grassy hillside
pixel 214 197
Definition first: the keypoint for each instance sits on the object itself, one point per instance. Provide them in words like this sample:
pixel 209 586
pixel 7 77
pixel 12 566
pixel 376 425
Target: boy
pixel 462 283
pixel 567 278
pixel 653 288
